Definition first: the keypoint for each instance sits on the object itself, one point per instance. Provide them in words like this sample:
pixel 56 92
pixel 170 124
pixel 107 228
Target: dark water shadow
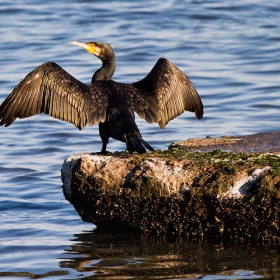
pixel 136 256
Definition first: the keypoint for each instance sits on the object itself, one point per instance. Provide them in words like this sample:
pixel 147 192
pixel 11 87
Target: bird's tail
pixel 137 144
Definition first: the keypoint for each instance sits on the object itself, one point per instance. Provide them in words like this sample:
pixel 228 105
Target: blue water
pixel 231 52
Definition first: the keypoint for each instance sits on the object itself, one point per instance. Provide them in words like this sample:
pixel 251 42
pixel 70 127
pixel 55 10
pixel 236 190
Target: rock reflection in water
pixel 138 256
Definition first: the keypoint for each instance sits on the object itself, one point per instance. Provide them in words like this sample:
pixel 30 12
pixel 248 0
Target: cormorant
pixel 160 97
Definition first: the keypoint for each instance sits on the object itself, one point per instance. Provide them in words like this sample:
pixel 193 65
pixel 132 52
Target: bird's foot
pixel 101 153
pixel 104 153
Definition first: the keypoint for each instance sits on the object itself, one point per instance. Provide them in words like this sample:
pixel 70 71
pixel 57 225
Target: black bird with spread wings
pixel 160 97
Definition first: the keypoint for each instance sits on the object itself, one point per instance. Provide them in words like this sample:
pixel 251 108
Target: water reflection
pixel 121 256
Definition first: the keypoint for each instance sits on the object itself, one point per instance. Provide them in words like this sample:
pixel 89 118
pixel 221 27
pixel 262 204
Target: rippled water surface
pixel 231 52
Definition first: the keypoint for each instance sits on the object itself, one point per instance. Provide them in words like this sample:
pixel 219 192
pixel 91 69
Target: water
pixel 231 52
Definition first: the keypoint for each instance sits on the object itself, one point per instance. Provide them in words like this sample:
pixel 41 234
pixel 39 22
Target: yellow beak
pixel 90 47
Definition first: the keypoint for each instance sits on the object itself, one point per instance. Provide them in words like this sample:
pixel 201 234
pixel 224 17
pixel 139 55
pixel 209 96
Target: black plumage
pixel 160 97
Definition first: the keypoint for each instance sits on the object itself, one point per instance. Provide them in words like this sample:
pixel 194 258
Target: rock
pixel 261 143
pixel 220 188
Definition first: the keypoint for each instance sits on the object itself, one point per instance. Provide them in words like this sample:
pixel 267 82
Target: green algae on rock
pixel 230 195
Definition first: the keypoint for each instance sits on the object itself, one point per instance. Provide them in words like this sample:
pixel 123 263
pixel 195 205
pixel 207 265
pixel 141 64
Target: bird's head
pixel 101 50
pixel 106 54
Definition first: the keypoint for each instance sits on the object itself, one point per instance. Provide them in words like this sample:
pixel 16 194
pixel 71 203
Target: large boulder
pixel 225 187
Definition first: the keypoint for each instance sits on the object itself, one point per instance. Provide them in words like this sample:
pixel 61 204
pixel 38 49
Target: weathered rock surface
pixel 226 187
pixel 261 143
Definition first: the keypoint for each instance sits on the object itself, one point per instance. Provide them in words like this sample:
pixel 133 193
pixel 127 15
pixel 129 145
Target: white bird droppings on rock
pixel 242 187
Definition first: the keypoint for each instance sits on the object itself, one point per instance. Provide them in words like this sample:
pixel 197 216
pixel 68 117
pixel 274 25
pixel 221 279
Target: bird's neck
pixel 106 72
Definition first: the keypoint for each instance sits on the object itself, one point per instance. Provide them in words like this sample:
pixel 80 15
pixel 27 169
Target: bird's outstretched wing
pixel 163 94
pixel 51 90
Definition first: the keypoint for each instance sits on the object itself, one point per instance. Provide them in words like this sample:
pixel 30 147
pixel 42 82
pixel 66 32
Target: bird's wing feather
pixel 51 90
pixel 145 104
pixel 163 94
